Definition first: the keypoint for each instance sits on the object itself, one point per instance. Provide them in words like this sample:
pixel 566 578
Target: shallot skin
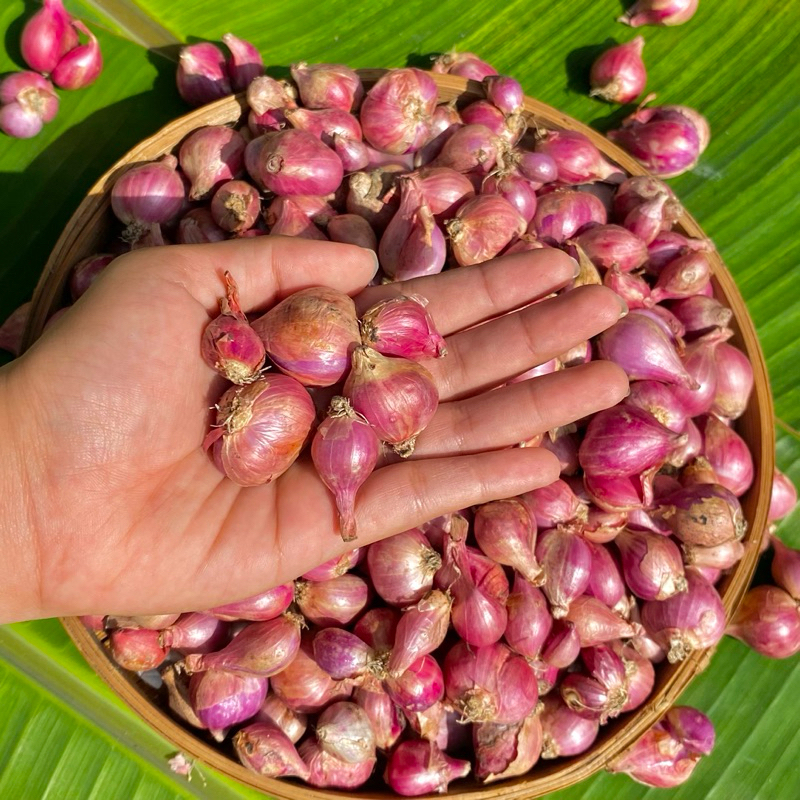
pixel 267 750
pixel 398 397
pixel 659 12
pixel 308 335
pixel 229 344
pixel 47 36
pixel 201 74
pixel 618 75
pixel 344 450
pixel 397 112
pixel 262 428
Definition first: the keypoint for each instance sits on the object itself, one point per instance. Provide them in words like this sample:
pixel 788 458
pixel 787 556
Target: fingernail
pixel 623 306
pixel 377 263
pixel 576 270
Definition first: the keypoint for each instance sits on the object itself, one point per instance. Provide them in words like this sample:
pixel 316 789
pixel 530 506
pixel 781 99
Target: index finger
pixel 462 297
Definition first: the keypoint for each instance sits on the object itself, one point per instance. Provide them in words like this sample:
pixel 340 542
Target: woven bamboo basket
pixel 88 231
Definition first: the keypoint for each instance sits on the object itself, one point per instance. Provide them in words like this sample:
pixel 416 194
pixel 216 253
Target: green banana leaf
pixel 63 734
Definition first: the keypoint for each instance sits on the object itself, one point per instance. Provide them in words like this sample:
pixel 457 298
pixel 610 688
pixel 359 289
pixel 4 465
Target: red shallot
pixel 221 698
pixel 489 684
pixel 566 561
pixel 418 767
pixel 480 590
pixel 596 623
pixel 503 751
pixel 304 686
pixel 652 564
pixel 202 76
pixel 328 85
pixel 309 334
pixel 529 621
pixel 276 712
pixel 229 344
pixel 564 732
pixel 245 62
pixel 506 533
pixel 644 350
pixel 768 620
pixel 577 158
pixel 343 729
pixel 344 450
pixel 400 326
pixel 257 608
pixel 482 227
pixel 325 770
pixel 618 75
pixel 421 629
pixel 151 192
pixel 337 601
pixel 659 12
pixel 396 113
pixel 267 750
pixel 398 397
pixel 402 567
pixel 262 649
pixel 292 162
pixel 387 720
pixel 687 621
pixel 81 65
pixel 418 687
pixel 47 37
pixel 261 428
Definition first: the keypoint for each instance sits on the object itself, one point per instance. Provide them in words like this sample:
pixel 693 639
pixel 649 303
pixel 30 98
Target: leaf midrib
pixel 134 23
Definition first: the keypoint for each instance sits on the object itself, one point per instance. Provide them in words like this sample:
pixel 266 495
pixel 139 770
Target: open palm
pixel 128 514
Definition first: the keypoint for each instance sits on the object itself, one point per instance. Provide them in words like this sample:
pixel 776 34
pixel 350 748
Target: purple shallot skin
pixel 345 450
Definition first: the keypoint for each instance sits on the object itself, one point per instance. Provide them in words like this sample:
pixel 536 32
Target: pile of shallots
pixel 51 47
pixel 315 340
pixel 485 640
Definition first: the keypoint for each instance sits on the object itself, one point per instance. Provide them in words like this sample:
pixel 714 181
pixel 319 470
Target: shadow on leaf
pixel 64 172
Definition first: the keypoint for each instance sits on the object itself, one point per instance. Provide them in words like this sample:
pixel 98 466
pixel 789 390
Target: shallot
pixel 401 326
pixel 659 12
pixel 267 750
pixel 244 64
pixel 327 85
pixel 261 649
pixel 690 620
pixel 309 334
pixel 344 450
pixel 81 65
pixel 397 397
pixel 261 428
pixel 418 767
pixel 28 102
pixel 768 620
pixel 229 344
pixel 401 567
pixel 506 533
pixel 618 74
pixel 202 76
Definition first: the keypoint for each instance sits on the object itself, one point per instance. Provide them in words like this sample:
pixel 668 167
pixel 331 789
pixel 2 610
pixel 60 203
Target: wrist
pixel 20 586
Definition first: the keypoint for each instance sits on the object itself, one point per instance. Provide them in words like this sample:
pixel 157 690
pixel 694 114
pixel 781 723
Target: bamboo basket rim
pixel 82 234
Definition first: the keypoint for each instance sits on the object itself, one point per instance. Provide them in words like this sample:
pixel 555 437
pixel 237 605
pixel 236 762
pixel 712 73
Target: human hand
pixel 120 510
